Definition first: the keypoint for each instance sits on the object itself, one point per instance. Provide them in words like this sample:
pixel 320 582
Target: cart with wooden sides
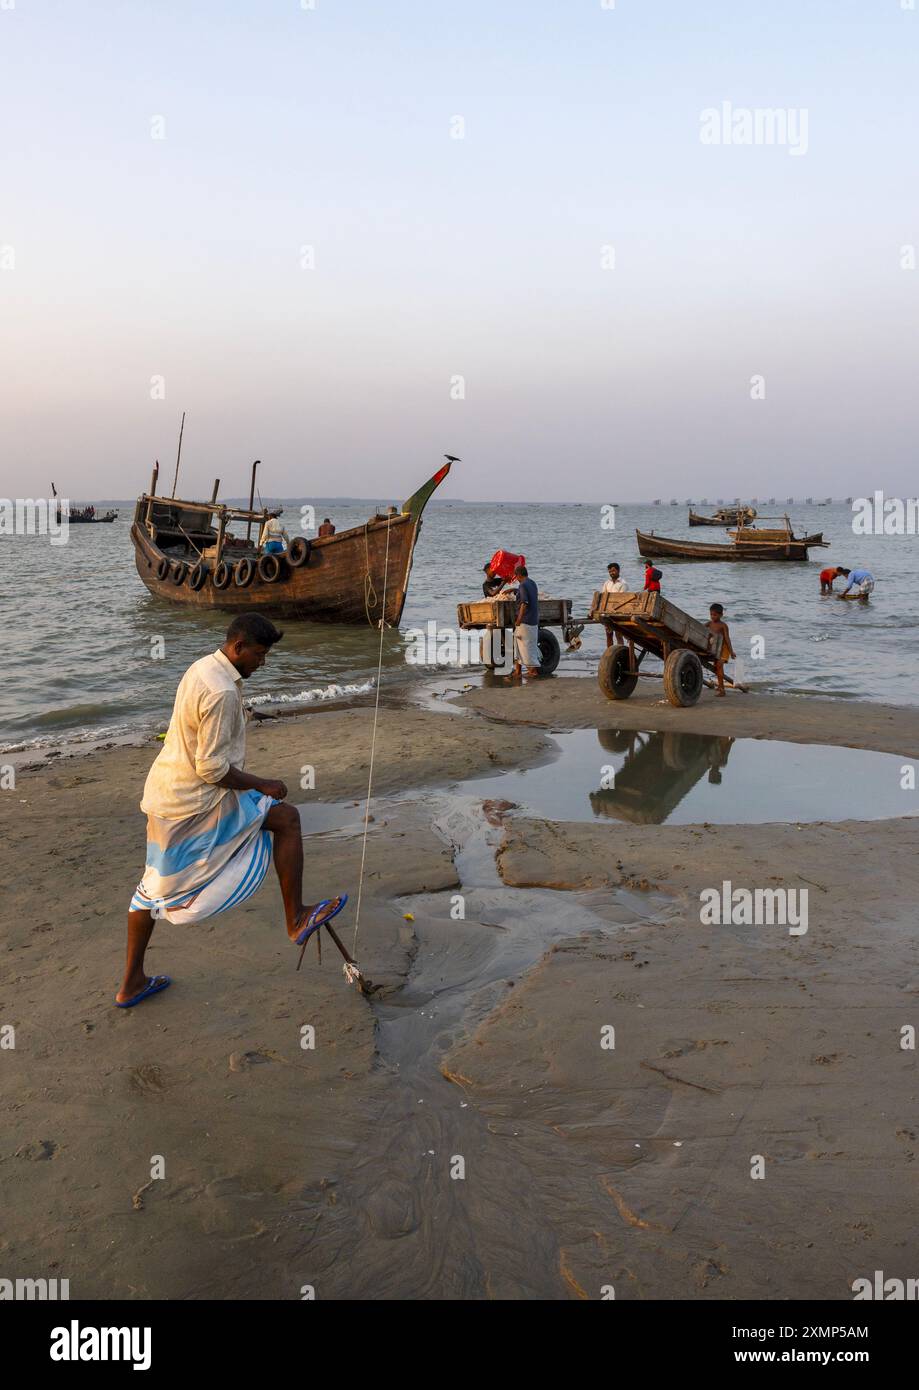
pixel 650 625
pixel 495 617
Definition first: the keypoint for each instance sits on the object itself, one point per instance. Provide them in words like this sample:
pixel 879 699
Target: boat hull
pixel 344 580
pixel 664 548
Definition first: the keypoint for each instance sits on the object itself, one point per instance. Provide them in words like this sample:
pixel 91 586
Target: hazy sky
pixel 126 257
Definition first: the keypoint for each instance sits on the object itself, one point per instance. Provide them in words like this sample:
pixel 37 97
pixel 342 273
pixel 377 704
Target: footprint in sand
pixel 37 1150
pixel 242 1061
pixel 147 1078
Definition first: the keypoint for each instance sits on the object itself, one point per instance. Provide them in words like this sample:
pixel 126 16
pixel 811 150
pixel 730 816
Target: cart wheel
pixel 549 651
pixel 616 680
pixel 682 677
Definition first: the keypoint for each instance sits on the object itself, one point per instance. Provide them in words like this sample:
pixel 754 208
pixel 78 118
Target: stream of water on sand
pixel 401 1222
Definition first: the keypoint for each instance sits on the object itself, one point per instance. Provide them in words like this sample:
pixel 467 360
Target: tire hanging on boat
pixel 299 550
pixel 198 576
pixel 162 569
pixel 177 572
pixel 243 573
pixel 222 575
pixel 269 568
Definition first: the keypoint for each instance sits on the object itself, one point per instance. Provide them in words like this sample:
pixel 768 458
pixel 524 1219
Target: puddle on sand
pixel 684 779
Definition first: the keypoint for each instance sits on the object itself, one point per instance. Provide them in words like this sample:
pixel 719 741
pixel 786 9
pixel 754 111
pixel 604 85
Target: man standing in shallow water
pixel 209 823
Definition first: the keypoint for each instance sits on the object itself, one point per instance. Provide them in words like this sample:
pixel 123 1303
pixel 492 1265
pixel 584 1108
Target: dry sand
pixel 337 1167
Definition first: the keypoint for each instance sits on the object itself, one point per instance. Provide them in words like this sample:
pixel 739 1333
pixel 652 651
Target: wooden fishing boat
pixel 747 543
pixel 87 516
pixel 185 552
pixel 725 516
pixel 77 516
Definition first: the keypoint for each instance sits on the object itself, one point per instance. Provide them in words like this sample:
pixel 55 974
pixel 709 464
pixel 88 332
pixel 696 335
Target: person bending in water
pixel 717 625
pixel 210 825
pixel 862 581
pixel 826 579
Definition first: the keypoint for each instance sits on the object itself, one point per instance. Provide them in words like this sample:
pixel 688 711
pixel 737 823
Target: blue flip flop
pixel 153 986
pixel 312 925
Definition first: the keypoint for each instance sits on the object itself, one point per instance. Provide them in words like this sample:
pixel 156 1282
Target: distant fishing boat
pixel 82 515
pixel 725 516
pixel 747 543
pixel 184 552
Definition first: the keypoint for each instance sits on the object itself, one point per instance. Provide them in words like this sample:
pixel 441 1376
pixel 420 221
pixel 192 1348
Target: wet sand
pixel 464 1134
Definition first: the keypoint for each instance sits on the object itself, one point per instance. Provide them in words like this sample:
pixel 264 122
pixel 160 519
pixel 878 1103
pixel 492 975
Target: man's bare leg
pixel 140 929
pixel 283 821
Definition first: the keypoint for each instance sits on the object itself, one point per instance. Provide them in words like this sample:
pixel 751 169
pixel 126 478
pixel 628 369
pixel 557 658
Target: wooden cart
pixel 496 617
pixel 650 624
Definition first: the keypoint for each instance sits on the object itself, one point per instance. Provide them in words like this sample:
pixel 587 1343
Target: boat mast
pixel 175 480
pixel 251 500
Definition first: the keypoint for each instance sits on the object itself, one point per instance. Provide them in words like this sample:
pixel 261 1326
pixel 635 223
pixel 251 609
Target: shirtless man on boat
pixel 211 826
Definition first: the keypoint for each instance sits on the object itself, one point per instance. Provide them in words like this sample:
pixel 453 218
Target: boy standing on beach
pixel 210 825
pixel 717 625
pixel 652 579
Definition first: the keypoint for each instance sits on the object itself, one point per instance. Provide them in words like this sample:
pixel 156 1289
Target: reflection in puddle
pixel 650 778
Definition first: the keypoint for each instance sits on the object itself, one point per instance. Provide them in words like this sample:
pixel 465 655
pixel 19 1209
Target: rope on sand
pixel 373 744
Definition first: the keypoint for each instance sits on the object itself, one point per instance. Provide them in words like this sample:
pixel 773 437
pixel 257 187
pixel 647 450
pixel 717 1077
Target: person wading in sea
pixel 209 823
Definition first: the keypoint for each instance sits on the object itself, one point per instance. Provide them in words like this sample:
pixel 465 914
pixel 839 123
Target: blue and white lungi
pixel 206 863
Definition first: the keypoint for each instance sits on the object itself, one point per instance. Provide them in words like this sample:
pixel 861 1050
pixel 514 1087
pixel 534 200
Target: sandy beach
pixel 465 1132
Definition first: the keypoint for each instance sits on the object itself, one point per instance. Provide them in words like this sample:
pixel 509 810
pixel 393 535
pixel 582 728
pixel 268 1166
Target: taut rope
pixel 373 736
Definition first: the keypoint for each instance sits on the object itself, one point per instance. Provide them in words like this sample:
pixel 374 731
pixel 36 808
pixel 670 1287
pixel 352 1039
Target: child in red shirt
pixel 826 579
pixel 652 579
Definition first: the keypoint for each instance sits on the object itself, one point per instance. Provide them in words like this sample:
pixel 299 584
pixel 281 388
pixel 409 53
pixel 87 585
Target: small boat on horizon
pixel 725 516
pixel 82 515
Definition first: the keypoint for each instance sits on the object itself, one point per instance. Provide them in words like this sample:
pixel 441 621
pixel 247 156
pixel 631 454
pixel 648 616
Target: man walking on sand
pixel 526 626
pixel 209 823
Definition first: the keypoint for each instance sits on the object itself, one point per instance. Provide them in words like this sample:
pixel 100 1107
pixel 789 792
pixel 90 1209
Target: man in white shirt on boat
pixel 274 540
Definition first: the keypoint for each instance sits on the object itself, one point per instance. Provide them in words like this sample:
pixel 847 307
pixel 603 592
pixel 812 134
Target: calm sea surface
pixel 80 626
